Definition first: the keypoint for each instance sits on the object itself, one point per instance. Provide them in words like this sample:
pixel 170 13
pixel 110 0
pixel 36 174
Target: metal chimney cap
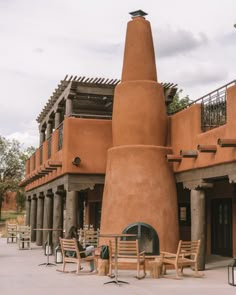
pixel 138 13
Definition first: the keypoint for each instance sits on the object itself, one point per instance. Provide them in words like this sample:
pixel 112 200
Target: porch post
pixel 49 129
pixel 69 107
pixel 71 211
pixel 47 214
pixel 28 205
pixel 57 217
pixel 39 233
pixel 33 216
pixel 57 119
pixel 42 137
pixel 198 223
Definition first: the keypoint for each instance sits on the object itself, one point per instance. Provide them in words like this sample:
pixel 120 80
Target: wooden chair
pixel 186 255
pixel 11 233
pixel 127 255
pixel 88 237
pixel 24 237
pixel 71 246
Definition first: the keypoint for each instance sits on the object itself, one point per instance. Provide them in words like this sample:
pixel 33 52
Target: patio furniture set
pixel 20 234
pixel 123 254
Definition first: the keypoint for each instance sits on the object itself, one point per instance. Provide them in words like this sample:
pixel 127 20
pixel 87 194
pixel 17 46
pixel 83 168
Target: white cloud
pixel 42 41
pixel 30 137
pixel 174 42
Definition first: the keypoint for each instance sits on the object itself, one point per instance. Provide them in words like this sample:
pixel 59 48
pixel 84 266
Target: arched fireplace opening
pixel 147 237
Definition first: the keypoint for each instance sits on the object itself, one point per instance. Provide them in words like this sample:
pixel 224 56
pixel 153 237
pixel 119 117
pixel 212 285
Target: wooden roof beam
pixel 173 158
pixel 189 153
pixel 207 148
pixel 226 142
pixel 54 163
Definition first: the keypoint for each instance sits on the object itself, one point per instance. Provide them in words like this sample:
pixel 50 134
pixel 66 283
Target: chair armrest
pixel 142 254
pixel 168 254
pixel 87 251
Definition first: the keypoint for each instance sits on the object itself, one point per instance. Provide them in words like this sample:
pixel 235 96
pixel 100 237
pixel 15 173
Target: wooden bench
pixel 11 233
pixel 71 246
pixel 24 237
pixel 186 255
pixel 128 254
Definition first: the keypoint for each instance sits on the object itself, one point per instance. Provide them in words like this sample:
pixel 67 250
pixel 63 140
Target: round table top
pixel 116 235
pixel 48 229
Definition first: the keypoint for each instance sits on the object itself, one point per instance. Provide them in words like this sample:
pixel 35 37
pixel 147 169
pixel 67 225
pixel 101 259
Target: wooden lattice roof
pixel 103 82
pixel 74 81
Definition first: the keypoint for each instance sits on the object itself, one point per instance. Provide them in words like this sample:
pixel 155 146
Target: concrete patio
pixel 20 274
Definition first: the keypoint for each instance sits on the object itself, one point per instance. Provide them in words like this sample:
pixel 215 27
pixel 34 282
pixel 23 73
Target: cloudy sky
pixel 44 40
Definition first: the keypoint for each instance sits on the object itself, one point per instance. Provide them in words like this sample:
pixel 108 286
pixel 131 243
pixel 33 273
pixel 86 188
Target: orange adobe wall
pixel 185 133
pixel 9 202
pixel 88 139
pixel 139 184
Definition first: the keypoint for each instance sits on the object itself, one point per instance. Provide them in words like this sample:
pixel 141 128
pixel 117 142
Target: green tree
pixel 20 200
pixel 12 166
pixel 178 102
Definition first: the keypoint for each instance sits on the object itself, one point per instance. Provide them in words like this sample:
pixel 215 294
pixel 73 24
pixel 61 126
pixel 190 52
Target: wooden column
pixel 28 205
pixel 57 119
pixel 47 214
pixel 69 107
pixel 198 223
pixel 57 217
pixel 71 211
pixel 42 137
pixel 33 217
pixel 39 224
pixel 49 129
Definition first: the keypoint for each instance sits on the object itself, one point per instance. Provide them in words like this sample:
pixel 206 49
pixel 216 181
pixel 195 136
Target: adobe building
pixel 9 202
pixel 111 156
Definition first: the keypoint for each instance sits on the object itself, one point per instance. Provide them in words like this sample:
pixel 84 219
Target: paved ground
pixel 20 274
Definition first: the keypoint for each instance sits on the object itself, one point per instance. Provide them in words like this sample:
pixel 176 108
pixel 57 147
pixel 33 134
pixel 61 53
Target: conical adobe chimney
pixel 139 184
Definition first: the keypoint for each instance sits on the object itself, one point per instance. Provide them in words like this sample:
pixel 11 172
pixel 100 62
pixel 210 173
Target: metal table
pixel 116 236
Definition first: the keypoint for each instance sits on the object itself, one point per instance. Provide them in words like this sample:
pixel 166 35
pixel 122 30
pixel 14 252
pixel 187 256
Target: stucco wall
pixel 185 134
pixel 88 139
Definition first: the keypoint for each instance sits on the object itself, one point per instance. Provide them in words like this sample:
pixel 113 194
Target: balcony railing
pixel 213 107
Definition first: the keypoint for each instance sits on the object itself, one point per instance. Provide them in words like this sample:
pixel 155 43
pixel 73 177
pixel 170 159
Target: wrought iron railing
pixel 213 107
pixel 60 136
pixel 49 147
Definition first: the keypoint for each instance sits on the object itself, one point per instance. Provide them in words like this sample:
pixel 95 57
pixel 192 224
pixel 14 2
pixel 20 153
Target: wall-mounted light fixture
pixel 76 161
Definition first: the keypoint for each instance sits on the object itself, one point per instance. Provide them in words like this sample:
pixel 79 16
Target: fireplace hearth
pixel 147 237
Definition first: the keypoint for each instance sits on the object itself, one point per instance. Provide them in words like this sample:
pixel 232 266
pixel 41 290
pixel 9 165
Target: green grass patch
pixel 6 215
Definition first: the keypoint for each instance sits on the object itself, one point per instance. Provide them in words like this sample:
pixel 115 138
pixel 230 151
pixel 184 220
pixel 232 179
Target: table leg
pixel 47 253
pixel 116 281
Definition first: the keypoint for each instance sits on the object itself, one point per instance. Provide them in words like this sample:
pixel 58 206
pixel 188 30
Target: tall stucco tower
pixel 139 185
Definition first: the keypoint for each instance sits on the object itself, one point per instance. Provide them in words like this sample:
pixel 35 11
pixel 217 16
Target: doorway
pixel 221 227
